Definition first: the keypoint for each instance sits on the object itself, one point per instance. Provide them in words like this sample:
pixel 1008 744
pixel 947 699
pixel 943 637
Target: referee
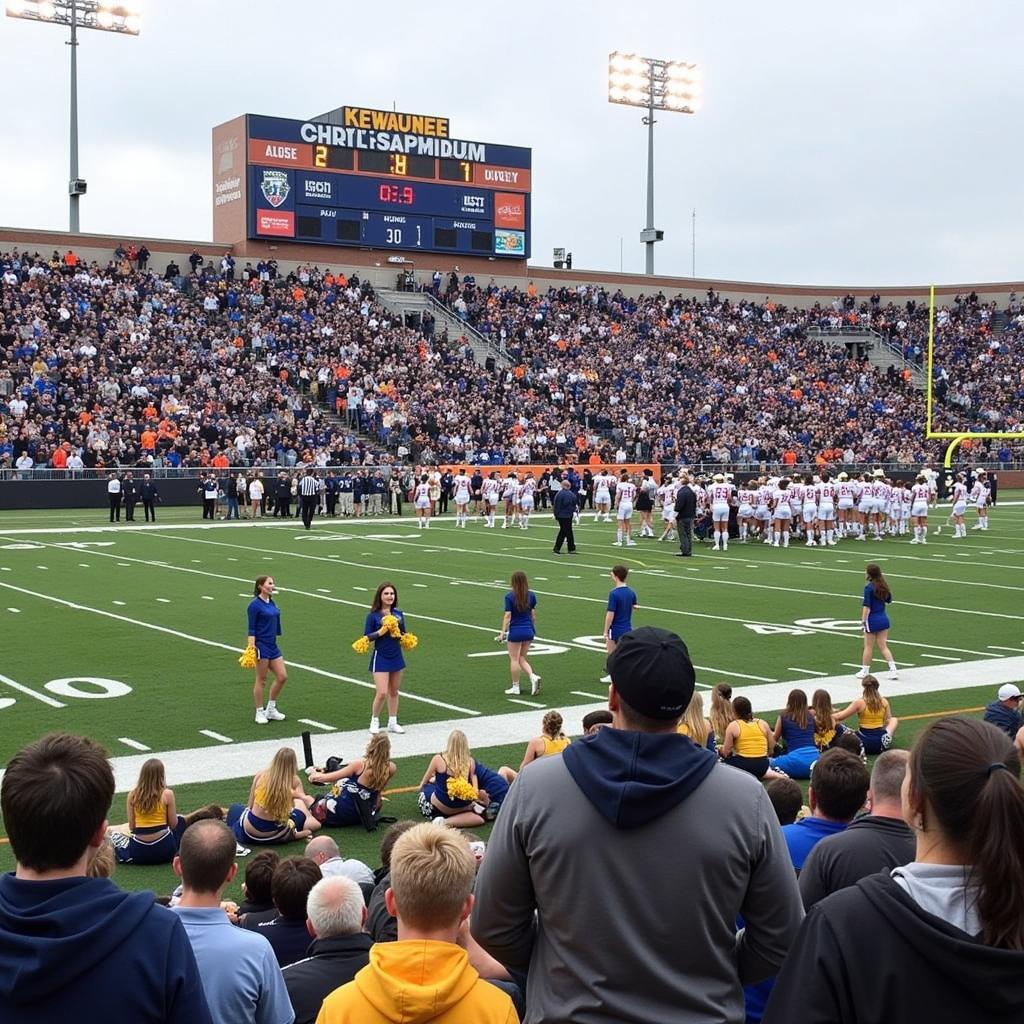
pixel 309 495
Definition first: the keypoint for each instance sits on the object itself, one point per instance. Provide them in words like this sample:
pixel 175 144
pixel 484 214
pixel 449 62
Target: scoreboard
pixel 384 180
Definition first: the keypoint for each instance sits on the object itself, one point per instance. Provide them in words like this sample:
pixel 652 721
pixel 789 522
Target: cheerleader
pixel 877 724
pixel 518 628
pixel 796 728
pixel 603 496
pixel 625 493
pixel 550 742
pixel 746 496
pixel 721 711
pixel 489 489
pixel 386 662
pixel 809 513
pixel 461 490
pixel 919 509
pixel 721 495
pixel 526 500
pixel 694 725
pixel 667 497
pixel 510 495
pixel 782 514
pixel 980 494
pixel 356 787
pixel 422 501
pixel 826 495
pixel 450 789
pixel 277 810
pixel 875 620
pixel 264 629
pixel 748 740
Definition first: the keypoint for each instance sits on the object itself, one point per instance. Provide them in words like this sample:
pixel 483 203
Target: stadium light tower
pixel 656 85
pixel 123 18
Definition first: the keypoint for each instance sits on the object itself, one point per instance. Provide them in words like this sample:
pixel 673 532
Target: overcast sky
pixel 869 143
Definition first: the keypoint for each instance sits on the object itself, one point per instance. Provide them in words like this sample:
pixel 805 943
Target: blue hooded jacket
pixel 1002 717
pixel 632 778
pixel 77 949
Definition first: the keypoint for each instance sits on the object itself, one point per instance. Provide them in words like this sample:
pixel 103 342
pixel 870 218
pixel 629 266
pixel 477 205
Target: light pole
pixel 122 18
pixel 654 85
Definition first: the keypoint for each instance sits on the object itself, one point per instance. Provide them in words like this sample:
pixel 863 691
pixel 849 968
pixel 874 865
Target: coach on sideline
pixel 309 495
pixel 686 511
pixel 565 508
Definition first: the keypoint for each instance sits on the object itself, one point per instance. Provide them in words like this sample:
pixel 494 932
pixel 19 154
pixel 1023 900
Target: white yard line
pixel 219 737
pixel 807 671
pixel 134 744
pixel 41 697
pixel 528 703
pixel 227 647
pixel 318 725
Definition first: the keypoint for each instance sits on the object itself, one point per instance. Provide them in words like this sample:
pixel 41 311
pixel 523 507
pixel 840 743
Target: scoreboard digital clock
pixel 376 179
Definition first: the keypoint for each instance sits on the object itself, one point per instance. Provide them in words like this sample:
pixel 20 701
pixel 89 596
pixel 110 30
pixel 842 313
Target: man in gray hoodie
pixel 619 871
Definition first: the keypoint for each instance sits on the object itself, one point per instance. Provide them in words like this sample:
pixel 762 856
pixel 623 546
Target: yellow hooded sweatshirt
pixel 415 981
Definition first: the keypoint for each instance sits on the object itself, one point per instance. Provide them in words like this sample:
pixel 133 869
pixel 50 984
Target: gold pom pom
pixel 391 624
pixel 362 645
pixel 408 641
pixel 461 789
pixel 248 658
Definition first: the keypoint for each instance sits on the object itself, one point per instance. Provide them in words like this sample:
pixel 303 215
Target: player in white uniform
pixel 826 494
pixel 510 495
pixel 931 477
pixel 421 499
pixel 625 495
pixel 796 504
pixel 526 500
pixel 879 497
pixel 980 494
pixel 865 506
pixel 603 496
pixel 721 495
pixel 844 504
pixel 762 512
pixel 489 490
pixel 809 511
pixel 782 513
pixel 667 497
pixel 745 496
pixel 460 489
pixel 959 502
pixel 919 509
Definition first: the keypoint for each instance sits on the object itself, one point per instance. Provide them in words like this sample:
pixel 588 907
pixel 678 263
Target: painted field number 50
pixel 72 687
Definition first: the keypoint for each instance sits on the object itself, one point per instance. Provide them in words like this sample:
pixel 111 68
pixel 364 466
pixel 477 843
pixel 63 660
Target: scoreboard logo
pixel 275 188
pixel 509 210
pixel 510 243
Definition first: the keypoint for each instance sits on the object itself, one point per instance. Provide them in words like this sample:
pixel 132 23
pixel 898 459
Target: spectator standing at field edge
pixel 564 507
pixel 677 845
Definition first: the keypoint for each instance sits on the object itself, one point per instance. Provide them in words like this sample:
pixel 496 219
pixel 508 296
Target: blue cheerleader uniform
pixel 340 809
pixel 520 626
pixel 877 617
pixel 265 627
pixel 801 750
pixel 387 649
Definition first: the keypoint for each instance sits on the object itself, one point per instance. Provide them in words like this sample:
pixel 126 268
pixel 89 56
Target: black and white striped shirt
pixel 308 486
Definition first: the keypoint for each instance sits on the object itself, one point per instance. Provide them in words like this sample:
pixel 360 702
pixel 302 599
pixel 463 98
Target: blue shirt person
pixel 387 649
pixel 520 625
pixel 265 627
pixel 621 601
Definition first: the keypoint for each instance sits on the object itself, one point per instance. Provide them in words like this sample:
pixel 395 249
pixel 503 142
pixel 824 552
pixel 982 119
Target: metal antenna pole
pixel 649 121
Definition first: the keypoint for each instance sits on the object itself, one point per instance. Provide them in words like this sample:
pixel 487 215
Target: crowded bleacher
pixel 124 365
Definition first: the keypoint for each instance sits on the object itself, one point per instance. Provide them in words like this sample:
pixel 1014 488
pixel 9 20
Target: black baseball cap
pixel 652 672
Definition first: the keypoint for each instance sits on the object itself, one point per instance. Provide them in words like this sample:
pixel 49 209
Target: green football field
pixel 130 634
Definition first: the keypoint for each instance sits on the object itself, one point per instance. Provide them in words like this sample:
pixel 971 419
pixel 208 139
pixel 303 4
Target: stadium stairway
pixel 417 303
pixel 880 352
pixel 999 322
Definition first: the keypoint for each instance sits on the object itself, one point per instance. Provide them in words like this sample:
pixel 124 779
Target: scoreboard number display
pixel 383 180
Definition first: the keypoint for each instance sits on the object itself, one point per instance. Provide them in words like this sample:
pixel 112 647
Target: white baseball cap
pixel 1008 690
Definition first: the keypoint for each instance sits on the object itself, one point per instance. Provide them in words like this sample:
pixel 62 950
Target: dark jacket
pixel 1003 718
pixel 69 946
pixel 564 504
pixel 379 922
pixel 871 955
pixel 869 845
pixel 330 964
pixel 686 503
pixel 289 938
pixel 148 490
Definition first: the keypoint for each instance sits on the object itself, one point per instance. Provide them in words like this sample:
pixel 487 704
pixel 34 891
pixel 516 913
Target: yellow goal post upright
pixel 955 437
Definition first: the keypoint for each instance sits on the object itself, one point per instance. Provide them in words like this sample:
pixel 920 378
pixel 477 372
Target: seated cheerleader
pixel 154 827
pixel 877 722
pixel 826 729
pixel 694 725
pixel 449 789
pixel 721 713
pixel 796 728
pixel 551 741
pixel 278 808
pixel 747 740
pixel 356 792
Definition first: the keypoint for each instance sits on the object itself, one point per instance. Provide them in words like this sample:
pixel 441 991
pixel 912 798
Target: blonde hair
pixel 432 874
pixel 275 785
pixel 721 712
pixel 873 700
pixel 377 760
pixel 693 719
pixel 551 725
pixel 457 756
pixel 150 787
pixel 103 862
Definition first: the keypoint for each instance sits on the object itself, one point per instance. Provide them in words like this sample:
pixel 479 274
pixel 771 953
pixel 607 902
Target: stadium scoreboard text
pixel 387 180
